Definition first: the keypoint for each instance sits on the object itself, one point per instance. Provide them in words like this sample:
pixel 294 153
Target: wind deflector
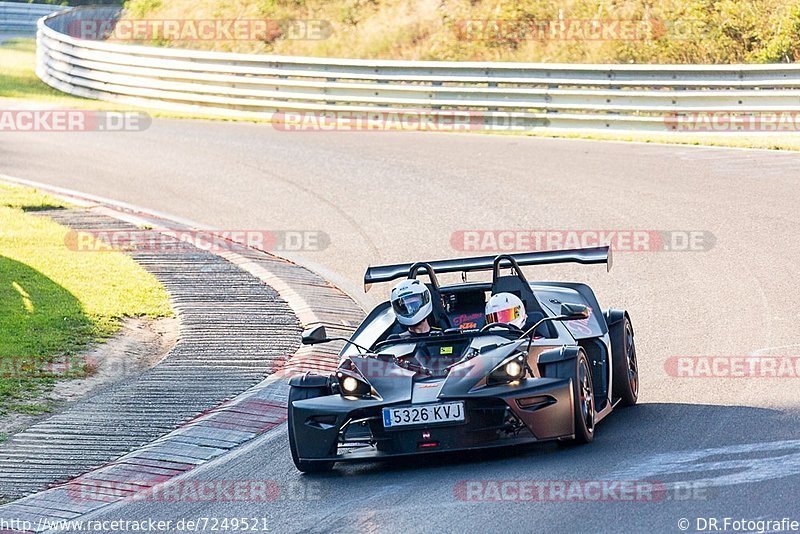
pixel 586 256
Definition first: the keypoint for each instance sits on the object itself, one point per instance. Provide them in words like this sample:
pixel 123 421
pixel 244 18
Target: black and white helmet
pixel 411 302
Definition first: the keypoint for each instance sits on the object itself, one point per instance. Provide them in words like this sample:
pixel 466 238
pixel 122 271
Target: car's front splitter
pixel 533 410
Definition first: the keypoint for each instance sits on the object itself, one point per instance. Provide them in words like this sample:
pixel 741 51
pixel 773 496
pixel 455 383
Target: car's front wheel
pixel 583 400
pixel 579 373
pixel 302 393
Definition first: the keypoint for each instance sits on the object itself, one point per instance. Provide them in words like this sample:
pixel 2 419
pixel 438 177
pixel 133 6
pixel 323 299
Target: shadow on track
pixel 629 433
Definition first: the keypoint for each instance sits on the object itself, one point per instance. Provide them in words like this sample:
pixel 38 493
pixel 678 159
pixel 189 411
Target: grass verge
pixel 54 302
pixel 18 81
pixel 18 77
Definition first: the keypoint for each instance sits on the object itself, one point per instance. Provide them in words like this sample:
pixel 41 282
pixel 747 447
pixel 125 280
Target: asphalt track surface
pixel 730 447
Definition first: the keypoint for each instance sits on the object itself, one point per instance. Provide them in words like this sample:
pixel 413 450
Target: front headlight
pixel 511 370
pixel 351 385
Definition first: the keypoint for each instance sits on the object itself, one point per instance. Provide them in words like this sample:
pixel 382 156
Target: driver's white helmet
pixel 506 308
pixel 411 302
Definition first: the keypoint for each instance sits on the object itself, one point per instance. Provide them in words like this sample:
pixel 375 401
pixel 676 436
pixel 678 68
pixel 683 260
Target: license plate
pixel 423 415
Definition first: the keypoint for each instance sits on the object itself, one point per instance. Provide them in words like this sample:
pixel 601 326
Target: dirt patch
pixel 139 345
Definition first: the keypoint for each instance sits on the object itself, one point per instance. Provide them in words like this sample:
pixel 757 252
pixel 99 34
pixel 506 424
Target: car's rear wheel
pixel 626 366
pixel 299 393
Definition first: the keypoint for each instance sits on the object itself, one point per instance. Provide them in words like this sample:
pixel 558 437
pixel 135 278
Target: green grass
pixel 54 302
pixel 18 78
pixel 18 81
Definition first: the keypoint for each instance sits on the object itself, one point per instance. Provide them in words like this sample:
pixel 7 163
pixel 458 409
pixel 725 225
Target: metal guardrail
pixel 529 95
pixel 21 18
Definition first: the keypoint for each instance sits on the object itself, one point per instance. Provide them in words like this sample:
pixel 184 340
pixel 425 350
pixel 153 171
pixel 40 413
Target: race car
pixel 468 385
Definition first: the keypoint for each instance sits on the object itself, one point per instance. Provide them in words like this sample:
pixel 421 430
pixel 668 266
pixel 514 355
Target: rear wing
pixel 586 256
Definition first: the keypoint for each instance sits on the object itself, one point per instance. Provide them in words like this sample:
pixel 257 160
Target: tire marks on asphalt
pixel 720 466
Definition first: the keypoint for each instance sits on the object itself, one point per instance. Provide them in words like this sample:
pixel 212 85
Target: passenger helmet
pixel 506 308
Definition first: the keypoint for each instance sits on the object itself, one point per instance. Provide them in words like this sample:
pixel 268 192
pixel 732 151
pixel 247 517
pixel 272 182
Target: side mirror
pixel 314 335
pixel 569 312
pixel 572 312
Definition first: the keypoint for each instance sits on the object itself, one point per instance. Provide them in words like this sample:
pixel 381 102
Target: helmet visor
pixel 409 305
pixel 504 316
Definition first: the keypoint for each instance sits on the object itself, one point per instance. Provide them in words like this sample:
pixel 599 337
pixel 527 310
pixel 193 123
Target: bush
pixel 669 31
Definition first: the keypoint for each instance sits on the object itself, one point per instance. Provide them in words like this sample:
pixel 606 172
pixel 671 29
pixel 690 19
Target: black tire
pixel 625 364
pixel 296 393
pixel 583 401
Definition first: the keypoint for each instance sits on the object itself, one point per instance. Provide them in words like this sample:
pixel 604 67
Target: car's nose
pixel 426 391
